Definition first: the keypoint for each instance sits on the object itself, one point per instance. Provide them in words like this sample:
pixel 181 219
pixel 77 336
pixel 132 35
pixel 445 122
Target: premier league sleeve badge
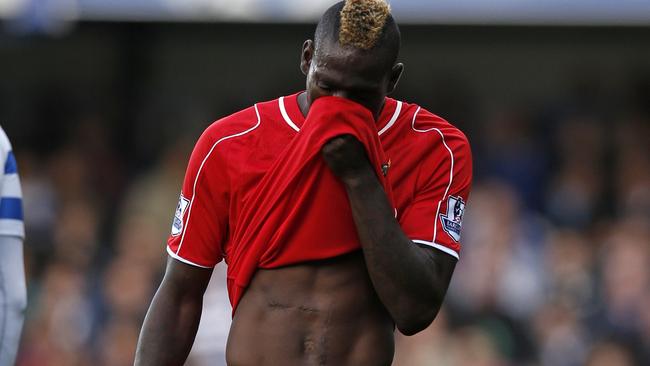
pixel 452 220
pixel 177 224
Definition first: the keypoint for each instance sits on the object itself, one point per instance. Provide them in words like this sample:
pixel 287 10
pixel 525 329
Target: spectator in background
pixel 13 292
pixel 610 354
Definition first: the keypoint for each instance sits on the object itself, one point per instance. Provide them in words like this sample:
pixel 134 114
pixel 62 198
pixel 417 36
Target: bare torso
pixel 321 313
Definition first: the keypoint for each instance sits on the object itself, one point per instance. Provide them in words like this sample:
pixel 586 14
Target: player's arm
pixel 13 290
pixel 410 279
pixel 173 317
pixel 13 297
pixel 194 248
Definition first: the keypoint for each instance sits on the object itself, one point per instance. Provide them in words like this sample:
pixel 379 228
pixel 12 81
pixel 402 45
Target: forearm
pixel 13 297
pixel 408 281
pixel 170 325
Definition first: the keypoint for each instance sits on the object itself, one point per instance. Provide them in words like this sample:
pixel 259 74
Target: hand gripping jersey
pixel 237 167
pixel 11 202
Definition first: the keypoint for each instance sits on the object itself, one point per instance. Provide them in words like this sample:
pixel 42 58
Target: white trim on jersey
pixel 285 115
pixel 198 174
pixel 451 171
pixel 12 227
pixel 443 248
pixel 398 109
pixel 181 259
pixel 289 121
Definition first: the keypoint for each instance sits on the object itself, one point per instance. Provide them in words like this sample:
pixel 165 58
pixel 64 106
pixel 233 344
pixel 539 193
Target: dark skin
pixel 340 311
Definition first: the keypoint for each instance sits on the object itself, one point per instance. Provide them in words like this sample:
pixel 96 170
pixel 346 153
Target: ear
pixel 306 56
pixel 395 75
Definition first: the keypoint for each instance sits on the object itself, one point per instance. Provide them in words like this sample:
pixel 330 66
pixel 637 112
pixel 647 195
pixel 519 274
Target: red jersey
pixel 428 167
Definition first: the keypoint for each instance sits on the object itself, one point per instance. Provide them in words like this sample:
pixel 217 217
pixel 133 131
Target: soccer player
pixel 311 300
pixel 13 293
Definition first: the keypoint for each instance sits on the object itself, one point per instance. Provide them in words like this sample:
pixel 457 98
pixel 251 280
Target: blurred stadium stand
pixel 630 12
pixel 555 268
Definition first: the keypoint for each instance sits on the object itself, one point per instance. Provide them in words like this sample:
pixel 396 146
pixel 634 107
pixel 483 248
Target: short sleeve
pixel 435 215
pixel 11 197
pixel 200 223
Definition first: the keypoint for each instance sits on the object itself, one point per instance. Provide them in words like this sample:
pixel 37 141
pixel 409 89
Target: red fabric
pixel 430 172
pixel 300 206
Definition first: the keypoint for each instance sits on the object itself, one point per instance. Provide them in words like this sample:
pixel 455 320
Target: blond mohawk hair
pixel 362 22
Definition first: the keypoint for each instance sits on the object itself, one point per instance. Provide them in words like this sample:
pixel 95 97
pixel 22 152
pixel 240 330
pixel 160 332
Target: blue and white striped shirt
pixel 11 196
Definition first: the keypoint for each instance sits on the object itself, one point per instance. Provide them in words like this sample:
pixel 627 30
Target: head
pixel 354 54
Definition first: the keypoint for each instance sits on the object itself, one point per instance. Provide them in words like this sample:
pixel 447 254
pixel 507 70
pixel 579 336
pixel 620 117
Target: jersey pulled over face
pixel 428 166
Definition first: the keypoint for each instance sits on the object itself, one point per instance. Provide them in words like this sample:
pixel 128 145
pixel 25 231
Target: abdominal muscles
pixel 318 313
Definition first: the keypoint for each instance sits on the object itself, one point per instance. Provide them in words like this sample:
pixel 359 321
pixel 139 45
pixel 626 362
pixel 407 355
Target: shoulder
pixel 238 129
pixel 441 148
pixel 5 144
pixel 217 134
pixel 6 155
pixel 239 123
pixel 244 122
pixel 427 128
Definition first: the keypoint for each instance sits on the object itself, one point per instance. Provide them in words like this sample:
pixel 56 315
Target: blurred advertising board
pixel 536 12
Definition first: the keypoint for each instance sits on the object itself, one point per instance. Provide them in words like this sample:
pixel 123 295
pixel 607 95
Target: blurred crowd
pixel 555 267
pixel 554 270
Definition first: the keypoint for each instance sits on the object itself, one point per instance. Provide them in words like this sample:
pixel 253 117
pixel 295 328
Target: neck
pixel 303 104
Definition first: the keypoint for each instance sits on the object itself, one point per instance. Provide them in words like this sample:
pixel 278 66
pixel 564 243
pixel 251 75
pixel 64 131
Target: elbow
pixel 418 316
pixel 19 306
pixel 413 324
pixel 413 327
pixel 16 301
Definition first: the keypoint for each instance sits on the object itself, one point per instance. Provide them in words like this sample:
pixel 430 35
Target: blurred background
pixel 103 101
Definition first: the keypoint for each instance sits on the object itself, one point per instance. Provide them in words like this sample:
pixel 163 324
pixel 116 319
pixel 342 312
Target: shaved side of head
pixel 366 25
